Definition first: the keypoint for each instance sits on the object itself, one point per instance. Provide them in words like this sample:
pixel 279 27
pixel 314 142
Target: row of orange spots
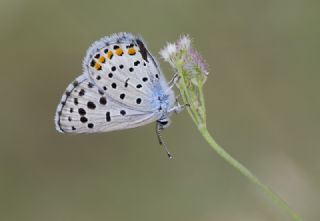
pixel 109 55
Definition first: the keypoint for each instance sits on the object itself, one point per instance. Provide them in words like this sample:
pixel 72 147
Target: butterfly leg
pixel 178 107
pixel 160 126
pixel 173 81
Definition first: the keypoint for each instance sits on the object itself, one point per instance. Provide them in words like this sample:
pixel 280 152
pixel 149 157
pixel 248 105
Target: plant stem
pixel 243 170
pixel 192 72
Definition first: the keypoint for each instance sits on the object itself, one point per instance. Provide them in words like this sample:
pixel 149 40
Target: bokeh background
pixel 262 99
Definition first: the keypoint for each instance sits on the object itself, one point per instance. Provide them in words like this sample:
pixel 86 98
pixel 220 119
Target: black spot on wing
pixel 82 92
pixel 82 111
pixel 68 93
pixel 103 101
pixel 90 85
pixel 101 92
pixel 126 82
pixel 75 83
pixel 91 105
pixel 108 118
pixel 143 50
pixel 83 119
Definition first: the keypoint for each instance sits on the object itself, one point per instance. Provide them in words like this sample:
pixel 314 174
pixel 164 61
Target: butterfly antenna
pixel 161 141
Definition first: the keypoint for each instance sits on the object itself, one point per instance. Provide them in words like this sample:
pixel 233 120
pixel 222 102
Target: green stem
pixel 242 169
pixel 186 99
pixel 190 86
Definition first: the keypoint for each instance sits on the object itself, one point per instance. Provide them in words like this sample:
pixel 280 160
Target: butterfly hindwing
pixel 122 67
pixel 85 108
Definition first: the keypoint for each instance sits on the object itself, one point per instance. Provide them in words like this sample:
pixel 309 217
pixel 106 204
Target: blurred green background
pixel 262 99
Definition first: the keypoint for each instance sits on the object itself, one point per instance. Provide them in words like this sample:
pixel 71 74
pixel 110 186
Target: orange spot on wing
pixel 102 59
pixel 97 66
pixel 131 51
pixel 109 54
pixel 119 52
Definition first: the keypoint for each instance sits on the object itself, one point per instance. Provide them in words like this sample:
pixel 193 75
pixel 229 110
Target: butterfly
pixel 121 87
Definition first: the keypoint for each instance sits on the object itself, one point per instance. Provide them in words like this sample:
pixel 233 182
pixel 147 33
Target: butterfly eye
pixel 164 123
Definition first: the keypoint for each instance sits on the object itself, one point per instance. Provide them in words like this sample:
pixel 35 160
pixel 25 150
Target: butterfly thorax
pixel 164 100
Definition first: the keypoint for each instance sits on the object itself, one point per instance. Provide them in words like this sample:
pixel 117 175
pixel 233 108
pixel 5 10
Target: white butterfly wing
pixel 123 67
pixel 85 108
